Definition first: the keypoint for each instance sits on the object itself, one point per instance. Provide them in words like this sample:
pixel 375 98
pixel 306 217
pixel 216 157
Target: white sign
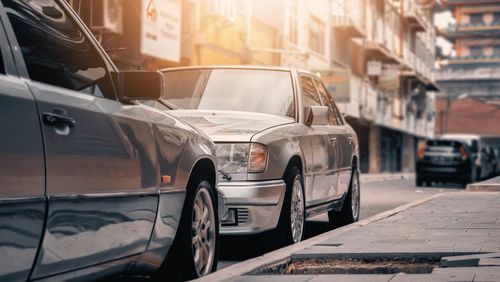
pixel 161 29
pixel 374 68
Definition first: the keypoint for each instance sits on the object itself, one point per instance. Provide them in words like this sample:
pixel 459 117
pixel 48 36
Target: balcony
pixel 470 30
pixel 413 15
pixel 348 25
pixel 475 60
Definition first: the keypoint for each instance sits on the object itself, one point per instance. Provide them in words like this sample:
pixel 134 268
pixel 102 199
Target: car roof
pixel 247 67
pixel 460 136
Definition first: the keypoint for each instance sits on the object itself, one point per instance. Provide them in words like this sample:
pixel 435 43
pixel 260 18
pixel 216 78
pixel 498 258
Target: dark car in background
pixel 444 160
pixel 93 184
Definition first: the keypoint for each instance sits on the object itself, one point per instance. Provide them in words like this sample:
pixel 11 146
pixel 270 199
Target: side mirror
pixel 316 115
pixel 139 85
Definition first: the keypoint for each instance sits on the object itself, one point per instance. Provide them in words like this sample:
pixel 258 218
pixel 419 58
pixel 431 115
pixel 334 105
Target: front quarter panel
pixel 179 148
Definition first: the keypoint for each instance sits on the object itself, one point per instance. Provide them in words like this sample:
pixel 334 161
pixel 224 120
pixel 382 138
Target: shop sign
pixel 161 29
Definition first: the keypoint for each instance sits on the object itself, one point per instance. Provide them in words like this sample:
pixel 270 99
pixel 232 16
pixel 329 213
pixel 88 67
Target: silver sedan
pixel 284 151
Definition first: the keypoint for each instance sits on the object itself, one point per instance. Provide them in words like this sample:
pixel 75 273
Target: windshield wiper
pixel 225 174
pixel 168 104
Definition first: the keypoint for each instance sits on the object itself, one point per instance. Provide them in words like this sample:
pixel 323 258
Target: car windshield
pixel 263 91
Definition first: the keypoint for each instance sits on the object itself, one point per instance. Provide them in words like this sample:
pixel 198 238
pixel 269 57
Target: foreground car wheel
pixel 351 206
pixel 290 228
pixel 195 250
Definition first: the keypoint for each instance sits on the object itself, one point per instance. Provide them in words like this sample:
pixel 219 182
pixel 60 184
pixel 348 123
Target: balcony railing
pixel 349 25
pixel 412 14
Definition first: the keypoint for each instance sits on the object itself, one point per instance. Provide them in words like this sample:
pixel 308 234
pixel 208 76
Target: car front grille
pixel 242 215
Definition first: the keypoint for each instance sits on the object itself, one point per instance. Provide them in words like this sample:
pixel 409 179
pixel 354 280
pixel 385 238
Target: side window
pixel 309 95
pixel 333 113
pixel 55 49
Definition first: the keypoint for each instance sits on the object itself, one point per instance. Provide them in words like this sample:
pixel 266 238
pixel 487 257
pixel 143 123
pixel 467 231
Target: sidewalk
pixel 372 177
pixel 448 225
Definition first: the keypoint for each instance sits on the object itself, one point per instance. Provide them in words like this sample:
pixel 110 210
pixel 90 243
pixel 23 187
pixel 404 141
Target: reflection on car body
pixel 92 183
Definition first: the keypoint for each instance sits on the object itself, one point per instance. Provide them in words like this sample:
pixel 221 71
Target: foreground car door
pixel 341 140
pixel 320 179
pixel 22 173
pixel 102 179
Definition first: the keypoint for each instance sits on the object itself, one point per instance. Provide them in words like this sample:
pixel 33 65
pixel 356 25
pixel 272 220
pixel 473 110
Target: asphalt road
pixel 376 197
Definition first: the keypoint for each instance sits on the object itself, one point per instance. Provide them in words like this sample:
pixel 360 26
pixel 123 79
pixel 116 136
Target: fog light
pixel 229 218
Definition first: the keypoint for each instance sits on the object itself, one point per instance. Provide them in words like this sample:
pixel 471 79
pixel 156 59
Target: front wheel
pixel 195 249
pixel 351 206
pixel 290 228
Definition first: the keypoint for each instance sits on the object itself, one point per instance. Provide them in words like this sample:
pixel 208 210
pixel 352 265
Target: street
pixel 376 197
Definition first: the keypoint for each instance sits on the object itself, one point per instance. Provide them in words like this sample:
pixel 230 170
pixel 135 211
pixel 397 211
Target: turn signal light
pixel 421 151
pixel 464 153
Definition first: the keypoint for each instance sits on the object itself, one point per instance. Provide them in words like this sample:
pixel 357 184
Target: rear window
pixel 443 146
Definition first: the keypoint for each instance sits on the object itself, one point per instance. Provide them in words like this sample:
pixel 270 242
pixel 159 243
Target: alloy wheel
pixel 203 232
pixel 297 210
pixel 355 197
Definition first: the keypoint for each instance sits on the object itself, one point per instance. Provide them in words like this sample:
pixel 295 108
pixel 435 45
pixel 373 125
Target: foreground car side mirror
pixel 139 85
pixel 316 115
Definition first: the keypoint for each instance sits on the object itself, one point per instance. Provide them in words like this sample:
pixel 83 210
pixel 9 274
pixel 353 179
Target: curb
pixel 490 185
pixel 286 253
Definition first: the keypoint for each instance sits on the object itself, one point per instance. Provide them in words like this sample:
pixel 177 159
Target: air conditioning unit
pixel 224 10
pixel 106 15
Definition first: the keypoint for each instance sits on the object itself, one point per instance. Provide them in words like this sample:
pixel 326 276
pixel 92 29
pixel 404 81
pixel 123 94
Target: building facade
pixel 474 69
pixel 376 56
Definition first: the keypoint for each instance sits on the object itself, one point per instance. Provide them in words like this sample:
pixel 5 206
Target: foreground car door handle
pixel 333 140
pixel 58 118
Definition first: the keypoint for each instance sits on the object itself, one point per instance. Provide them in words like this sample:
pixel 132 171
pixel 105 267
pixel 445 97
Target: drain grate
pixel 352 266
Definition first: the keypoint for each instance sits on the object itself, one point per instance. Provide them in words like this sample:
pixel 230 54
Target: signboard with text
pixel 161 29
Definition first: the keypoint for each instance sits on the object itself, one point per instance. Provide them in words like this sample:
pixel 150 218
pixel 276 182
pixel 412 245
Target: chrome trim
pixel 257 193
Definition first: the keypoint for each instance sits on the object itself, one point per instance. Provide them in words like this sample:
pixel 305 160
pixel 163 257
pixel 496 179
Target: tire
pixel 290 231
pixel 419 182
pixel 196 246
pixel 349 212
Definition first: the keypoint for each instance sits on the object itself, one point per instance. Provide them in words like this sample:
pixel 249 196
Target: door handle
pixel 58 118
pixel 351 140
pixel 333 140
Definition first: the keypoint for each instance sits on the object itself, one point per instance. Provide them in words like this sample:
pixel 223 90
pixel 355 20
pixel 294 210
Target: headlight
pixel 242 157
pixel 233 158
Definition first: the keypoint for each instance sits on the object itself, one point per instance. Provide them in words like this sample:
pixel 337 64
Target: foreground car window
pixel 263 91
pixel 55 51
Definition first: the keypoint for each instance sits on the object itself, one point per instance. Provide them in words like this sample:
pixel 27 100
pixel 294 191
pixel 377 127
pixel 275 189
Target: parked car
pixel 481 152
pixel 284 151
pixel 445 161
pixel 92 183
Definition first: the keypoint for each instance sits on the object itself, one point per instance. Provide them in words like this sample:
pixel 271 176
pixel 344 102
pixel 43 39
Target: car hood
pixel 230 126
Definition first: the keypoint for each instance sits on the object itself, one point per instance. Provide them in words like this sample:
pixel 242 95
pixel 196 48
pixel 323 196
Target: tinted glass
pixel 263 91
pixel 334 117
pixel 55 50
pixel 444 146
pixel 309 95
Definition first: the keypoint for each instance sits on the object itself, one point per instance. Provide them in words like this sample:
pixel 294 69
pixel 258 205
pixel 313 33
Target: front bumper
pixel 255 204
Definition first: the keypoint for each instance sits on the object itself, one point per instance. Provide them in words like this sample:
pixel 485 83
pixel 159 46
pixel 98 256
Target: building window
pixel 476 51
pixel 496 19
pixel 293 36
pixel 496 51
pixel 316 35
pixel 476 19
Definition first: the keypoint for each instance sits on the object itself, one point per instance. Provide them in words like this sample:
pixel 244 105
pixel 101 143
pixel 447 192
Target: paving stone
pixel 274 278
pixel 353 278
pixel 403 277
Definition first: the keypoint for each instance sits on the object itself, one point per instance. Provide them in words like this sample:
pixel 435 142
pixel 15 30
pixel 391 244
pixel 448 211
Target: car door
pixel 102 179
pixel 322 180
pixel 22 171
pixel 342 140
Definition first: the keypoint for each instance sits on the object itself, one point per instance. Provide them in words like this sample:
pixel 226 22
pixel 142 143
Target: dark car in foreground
pixel 284 151
pixel 93 184
pixel 444 160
